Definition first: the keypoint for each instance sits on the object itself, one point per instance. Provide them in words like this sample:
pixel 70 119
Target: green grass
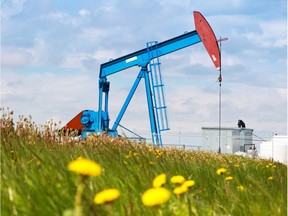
pixel 35 179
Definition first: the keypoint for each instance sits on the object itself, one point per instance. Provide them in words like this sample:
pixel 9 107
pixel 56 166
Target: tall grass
pixel 35 179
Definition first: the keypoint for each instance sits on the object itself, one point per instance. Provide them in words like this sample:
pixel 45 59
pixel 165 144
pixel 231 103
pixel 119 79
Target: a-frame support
pixel 144 73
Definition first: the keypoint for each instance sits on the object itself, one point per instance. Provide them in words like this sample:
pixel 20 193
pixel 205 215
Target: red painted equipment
pixel 75 123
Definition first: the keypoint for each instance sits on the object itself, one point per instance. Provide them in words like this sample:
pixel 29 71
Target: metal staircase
pixel 158 94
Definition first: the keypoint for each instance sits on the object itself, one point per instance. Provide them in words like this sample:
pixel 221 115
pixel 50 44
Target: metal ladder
pixel 158 94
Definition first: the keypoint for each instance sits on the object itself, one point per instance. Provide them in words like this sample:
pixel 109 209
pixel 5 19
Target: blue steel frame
pixel 139 58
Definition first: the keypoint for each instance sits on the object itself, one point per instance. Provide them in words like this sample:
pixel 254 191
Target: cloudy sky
pixel 51 51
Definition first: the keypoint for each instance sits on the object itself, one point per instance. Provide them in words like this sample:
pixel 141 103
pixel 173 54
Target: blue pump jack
pixel 89 121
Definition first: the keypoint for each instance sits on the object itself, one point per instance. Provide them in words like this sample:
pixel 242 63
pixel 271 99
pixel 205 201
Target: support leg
pixel 128 99
pixel 153 125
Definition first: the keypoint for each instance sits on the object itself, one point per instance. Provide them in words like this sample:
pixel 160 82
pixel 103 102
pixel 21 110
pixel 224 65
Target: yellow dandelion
pixel 270 178
pixel 107 195
pixel 240 188
pixel 158 153
pixel 189 183
pixel 85 167
pixel 151 163
pixel 128 156
pixel 155 196
pixel 229 178
pixel 221 171
pixel 178 179
pixel 181 189
pixel 159 180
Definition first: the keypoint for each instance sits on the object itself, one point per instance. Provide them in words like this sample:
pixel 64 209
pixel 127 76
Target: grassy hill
pixel 35 179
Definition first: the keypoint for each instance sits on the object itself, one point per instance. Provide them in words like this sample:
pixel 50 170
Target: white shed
pixel 231 139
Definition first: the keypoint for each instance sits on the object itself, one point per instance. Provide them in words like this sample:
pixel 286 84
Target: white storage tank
pixel 275 149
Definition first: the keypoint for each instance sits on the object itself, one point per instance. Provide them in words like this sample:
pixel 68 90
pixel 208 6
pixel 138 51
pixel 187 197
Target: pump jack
pixel 89 121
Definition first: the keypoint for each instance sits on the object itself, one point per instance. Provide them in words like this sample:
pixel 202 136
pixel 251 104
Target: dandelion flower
pixel 178 179
pixel 128 156
pixel 221 171
pixel 240 188
pixel 181 189
pixel 85 167
pixel 158 153
pixel 38 162
pixel 159 180
pixel 270 178
pixel 229 178
pixel 155 196
pixel 189 183
pixel 107 195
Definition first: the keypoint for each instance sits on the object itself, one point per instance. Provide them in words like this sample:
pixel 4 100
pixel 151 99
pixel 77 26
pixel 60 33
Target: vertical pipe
pixel 272 143
pixel 220 80
pixel 153 125
pixel 220 117
pixel 101 81
pixel 106 101
pixel 106 124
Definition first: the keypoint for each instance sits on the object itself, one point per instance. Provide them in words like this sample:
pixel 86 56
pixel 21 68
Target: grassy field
pixel 35 179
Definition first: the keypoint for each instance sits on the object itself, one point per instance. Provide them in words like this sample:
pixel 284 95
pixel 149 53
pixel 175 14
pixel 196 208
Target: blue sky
pixel 51 52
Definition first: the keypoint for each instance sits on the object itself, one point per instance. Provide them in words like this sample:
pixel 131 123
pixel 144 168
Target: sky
pixel 51 52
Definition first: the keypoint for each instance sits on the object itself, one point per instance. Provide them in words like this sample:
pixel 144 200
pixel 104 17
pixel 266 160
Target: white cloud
pixel 64 18
pixel 273 34
pixel 75 60
pixel 11 8
pixel 46 95
pixel 84 12
pixel 37 54
pixel 93 35
pixel 15 57
pixel 39 51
